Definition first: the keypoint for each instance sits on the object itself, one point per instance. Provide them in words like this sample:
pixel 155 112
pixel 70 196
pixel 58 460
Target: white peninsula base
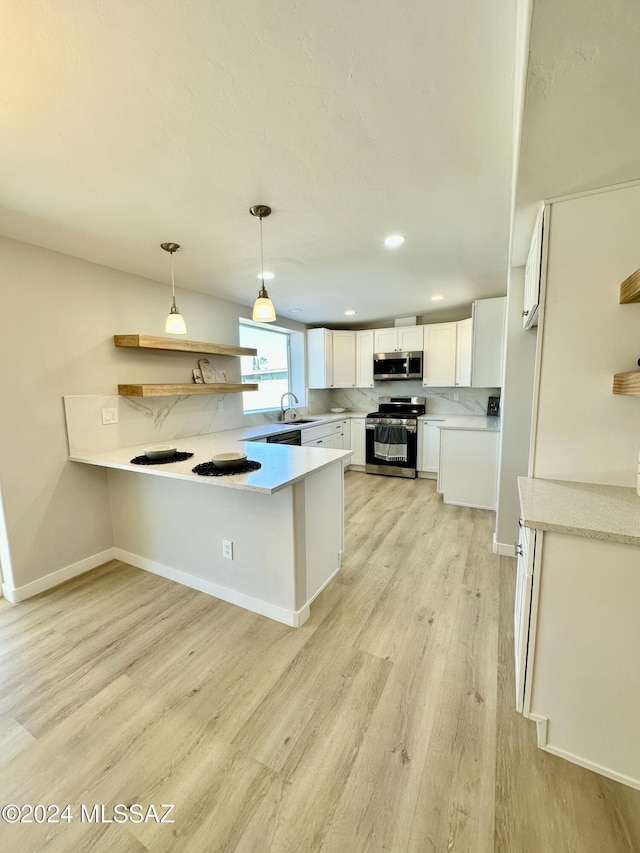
pixel 286 545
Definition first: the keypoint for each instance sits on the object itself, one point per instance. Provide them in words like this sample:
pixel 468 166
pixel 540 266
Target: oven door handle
pixel 410 429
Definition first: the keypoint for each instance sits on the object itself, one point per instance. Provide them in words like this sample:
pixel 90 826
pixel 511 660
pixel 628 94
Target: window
pixel 277 368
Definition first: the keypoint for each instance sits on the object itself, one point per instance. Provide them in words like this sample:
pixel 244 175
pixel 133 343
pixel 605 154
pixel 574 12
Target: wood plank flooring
pixel 385 723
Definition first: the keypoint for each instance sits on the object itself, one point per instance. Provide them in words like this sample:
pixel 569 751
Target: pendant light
pixel 263 310
pixel 175 321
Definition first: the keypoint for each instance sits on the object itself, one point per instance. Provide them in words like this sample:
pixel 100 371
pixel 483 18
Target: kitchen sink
pixel 299 421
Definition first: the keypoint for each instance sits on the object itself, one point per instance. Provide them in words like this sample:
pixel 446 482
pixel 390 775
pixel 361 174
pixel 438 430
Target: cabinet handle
pixel 525 313
pixel 518 549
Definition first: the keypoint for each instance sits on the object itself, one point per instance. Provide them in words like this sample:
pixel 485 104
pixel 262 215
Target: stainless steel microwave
pixel 397 365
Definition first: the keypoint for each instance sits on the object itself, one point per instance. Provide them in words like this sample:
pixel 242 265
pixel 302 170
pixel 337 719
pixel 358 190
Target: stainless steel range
pixel 392 436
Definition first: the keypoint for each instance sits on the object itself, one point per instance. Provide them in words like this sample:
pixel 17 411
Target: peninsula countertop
pixel 282 465
pixel 611 513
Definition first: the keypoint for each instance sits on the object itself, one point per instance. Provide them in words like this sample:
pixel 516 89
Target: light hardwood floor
pixel 385 723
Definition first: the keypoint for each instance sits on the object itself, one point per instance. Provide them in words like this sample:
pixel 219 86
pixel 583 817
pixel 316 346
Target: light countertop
pixel 581 509
pixel 473 422
pixel 282 464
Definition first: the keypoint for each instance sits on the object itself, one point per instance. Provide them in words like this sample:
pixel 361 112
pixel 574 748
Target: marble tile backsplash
pixel 157 419
pixel 440 401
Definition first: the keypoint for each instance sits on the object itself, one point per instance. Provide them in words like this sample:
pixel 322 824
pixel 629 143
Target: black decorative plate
pixel 208 469
pixel 178 456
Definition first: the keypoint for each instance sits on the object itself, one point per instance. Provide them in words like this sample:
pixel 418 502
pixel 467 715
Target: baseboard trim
pixel 503 549
pixel 542 729
pixel 471 506
pixel 28 590
pixel 293 618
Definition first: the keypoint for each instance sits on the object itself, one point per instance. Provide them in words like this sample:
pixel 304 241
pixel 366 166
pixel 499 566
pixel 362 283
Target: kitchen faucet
pixel 283 416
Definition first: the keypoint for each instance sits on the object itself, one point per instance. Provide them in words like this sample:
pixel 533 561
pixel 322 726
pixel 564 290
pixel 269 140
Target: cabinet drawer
pixel 310 434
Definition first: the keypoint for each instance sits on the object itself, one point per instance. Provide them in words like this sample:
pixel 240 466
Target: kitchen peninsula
pixel 285 520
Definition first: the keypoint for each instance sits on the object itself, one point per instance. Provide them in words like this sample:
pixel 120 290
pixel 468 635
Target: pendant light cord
pixel 173 283
pixel 261 256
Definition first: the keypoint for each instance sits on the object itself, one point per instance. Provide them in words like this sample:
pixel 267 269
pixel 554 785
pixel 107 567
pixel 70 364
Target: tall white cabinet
pixel 487 360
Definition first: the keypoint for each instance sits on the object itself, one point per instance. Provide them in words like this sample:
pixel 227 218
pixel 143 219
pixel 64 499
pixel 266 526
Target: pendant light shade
pixel 263 310
pixel 175 324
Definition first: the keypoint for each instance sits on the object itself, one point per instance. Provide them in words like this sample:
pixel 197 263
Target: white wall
pixel 61 315
pixel 584 432
pixel 517 403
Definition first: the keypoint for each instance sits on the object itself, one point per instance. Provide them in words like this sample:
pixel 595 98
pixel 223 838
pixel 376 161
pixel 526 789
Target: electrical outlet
pixel 227 549
pixel 220 405
pixel 456 396
pixel 109 416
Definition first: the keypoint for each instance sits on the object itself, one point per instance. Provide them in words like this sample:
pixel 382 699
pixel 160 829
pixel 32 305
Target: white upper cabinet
pixel 439 366
pixel 344 358
pixel 364 359
pixel 533 273
pixel 464 330
pixel 399 339
pixel 410 338
pixel 319 358
pixel 488 342
pixel 331 358
pixel 385 340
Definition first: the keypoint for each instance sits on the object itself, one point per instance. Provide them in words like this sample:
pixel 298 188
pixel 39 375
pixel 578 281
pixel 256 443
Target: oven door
pixel 391 468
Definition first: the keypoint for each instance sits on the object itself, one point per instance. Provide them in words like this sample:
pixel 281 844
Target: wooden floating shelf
pixel 181 390
pixel 174 345
pixel 627 383
pixel 630 289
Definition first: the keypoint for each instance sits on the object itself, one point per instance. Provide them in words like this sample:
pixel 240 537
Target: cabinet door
pixel 522 610
pixel 410 338
pixel 346 434
pixel 319 358
pixel 432 448
pixel 358 441
pixel 463 352
pixel 488 342
pixel 429 446
pixel 364 359
pixel 533 274
pixel 469 467
pixel 344 358
pixel 385 340
pixel 439 369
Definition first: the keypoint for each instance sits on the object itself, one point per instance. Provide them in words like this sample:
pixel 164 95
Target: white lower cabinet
pixel 358 442
pixel 429 446
pixel 525 551
pixel 323 435
pixel 468 474
pixel 577 635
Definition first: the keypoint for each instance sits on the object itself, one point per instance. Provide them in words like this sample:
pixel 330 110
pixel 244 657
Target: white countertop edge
pixel 592 510
pixel 464 422
pixel 284 468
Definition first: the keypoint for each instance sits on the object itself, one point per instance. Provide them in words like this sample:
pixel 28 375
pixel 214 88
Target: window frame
pixel 295 365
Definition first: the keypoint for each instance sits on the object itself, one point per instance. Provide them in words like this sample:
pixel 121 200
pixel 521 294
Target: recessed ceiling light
pixel 393 241
pixel 350 312
pixel 437 298
pixel 295 310
pixel 267 276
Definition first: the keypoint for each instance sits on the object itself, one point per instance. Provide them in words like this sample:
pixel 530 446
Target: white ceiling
pixel 126 124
